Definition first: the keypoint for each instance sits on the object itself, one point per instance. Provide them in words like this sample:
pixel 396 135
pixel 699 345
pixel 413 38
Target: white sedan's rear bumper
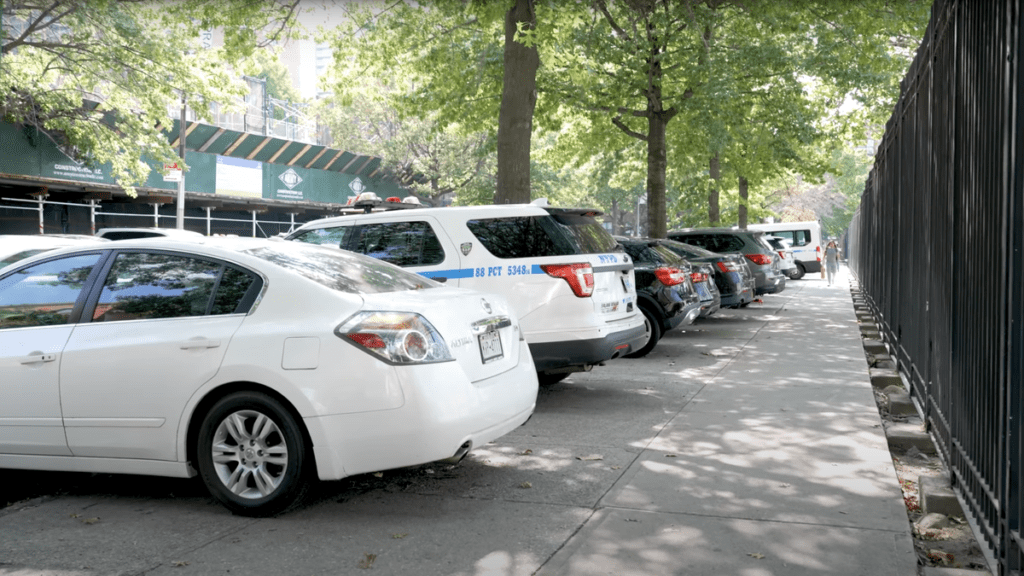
pixel 442 411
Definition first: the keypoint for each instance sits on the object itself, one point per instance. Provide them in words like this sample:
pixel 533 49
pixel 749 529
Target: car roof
pixel 159 231
pixel 719 230
pixel 460 212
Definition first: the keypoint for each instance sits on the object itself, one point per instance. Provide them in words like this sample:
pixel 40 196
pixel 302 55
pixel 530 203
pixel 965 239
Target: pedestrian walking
pixel 831 261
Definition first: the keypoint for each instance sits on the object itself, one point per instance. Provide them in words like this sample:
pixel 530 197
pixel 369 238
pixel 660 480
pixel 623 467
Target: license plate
pixel 703 291
pixel 626 284
pixel 490 347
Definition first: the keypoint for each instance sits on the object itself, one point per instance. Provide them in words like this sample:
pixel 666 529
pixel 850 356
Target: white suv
pixel 565 276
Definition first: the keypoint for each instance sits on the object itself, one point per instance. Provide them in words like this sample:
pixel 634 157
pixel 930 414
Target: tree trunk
pixel 743 203
pixel 515 118
pixel 615 217
pixel 714 215
pixel 657 163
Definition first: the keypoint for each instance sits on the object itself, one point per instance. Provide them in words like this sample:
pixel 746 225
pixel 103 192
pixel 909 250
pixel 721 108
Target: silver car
pixel 787 264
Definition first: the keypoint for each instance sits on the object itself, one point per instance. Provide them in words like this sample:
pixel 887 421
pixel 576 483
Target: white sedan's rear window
pixel 341 270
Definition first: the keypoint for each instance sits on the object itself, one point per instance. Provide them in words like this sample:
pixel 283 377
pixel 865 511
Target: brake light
pixel 730 267
pixel 698 277
pixel 760 259
pixel 579 276
pixel 670 276
pixel 396 337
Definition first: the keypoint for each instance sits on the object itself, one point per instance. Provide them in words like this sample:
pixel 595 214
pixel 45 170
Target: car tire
pixel 252 455
pixel 799 272
pixel 549 378
pixel 653 327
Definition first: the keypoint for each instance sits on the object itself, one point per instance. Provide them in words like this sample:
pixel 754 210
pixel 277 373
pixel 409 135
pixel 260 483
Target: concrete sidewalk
pixel 778 465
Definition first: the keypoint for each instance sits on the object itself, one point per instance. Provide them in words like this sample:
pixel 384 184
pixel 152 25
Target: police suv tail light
pixel 579 276
pixel 395 337
pixel 670 276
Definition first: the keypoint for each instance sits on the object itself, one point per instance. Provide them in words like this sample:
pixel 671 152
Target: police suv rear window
pixel 533 236
pixel 521 236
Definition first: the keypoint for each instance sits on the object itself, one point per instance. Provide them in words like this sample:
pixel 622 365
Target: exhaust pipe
pixel 459 454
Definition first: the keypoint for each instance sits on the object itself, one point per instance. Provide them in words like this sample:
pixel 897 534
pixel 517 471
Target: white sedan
pixel 14 247
pixel 259 365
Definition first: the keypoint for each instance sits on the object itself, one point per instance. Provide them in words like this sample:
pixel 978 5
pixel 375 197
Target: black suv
pixel 664 289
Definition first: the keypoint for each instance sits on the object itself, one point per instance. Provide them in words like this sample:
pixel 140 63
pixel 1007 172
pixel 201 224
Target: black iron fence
pixel 937 249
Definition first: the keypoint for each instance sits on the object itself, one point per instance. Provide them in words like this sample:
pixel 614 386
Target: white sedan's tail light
pixel 396 337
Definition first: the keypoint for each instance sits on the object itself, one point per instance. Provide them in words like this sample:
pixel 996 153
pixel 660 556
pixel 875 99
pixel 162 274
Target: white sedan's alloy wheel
pixel 249 454
pixel 252 455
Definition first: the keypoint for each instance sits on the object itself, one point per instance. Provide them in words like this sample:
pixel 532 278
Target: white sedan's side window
pixel 149 286
pixel 44 294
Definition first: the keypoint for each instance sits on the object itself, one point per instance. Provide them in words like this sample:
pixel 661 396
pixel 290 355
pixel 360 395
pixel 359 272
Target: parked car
pixel 564 275
pixel 759 256
pixel 703 280
pixel 805 239
pixel 15 247
pixel 733 279
pixel 259 365
pixel 133 233
pixel 787 265
pixel 664 289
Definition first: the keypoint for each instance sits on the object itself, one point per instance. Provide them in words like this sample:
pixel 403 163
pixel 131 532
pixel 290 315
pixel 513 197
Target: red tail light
pixel 724 267
pixel 579 276
pixel 670 276
pixel 698 277
pixel 760 259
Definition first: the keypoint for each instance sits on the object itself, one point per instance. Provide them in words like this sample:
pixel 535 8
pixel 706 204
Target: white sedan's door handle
pixel 38 357
pixel 199 343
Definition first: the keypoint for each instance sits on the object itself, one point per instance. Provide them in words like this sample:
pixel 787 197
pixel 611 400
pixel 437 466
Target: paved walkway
pixel 778 465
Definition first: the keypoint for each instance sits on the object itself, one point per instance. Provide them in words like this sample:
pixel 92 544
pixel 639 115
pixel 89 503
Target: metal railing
pixel 51 217
pixel 937 245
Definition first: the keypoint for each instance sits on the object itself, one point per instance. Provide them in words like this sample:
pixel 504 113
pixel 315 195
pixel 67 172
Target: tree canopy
pixel 98 77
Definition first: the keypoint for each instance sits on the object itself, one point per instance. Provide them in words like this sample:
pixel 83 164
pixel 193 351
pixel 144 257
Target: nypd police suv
pixel 564 275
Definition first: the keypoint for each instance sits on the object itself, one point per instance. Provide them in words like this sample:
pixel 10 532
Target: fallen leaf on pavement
pixel 939 556
pixel 367 561
pixel 526 452
pixel 378 474
pixel 399 536
pixel 91 520
pixel 670 455
pixel 526 485
pixel 73 515
pixel 756 555
pixel 179 563
pixel 591 457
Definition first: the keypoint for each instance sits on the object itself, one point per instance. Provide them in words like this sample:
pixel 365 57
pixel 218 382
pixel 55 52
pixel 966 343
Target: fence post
pixel 40 198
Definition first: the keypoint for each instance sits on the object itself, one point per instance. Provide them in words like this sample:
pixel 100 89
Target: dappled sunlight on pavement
pixel 777 465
